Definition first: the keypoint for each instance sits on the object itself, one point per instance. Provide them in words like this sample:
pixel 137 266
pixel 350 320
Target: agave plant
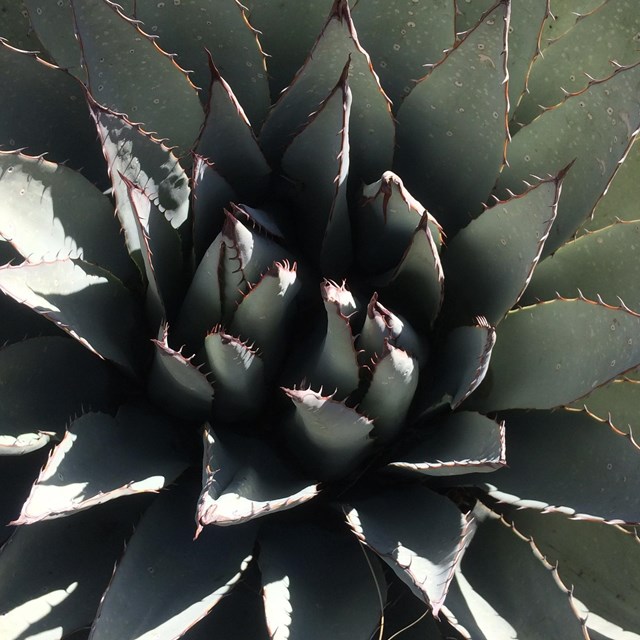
pixel 342 341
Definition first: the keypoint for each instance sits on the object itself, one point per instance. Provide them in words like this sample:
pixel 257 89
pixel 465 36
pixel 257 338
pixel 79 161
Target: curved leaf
pixel 419 534
pixel 306 572
pixel 86 301
pixel 48 211
pixel 540 360
pixel 173 578
pixel 243 479
pixel 461 443
pixel 72 481
pixel 566 461
pixel 176 384
pixel 50 595
pixel 328 436
pixel 44 383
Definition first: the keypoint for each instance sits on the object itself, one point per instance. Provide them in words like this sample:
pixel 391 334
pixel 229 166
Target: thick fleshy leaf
pixel 528 601
pixel 46 382
pixel 414 35
pixel 565 15
pixel 616 402
pixel 382 326
pixel 49 595
pixel 173 578
pixel 541 359
pixel 317 584
pixel 187 28
pixel 372 130
pixel 72 481
pixel 452 127
pixel 419 534
pixel 620 202
pixel 176 384
pixel 53 23
pixel 227 140
pixel 128 73
pixel 287 48
pixel 566 461
pixel 329 437
pixel 17 27
pixel 393 384
pixel 264 314
pixel 211 195
pixel 44 111
pixel 48 211
pixel 243 479
pixel 606 34
pixel 603 263
pixel 389 215
pixel 490 262
pixel 416 288
pixel 318 159
pixel 601 562
pixel 86 301
pixel 240 614
pixel 135 156
pixel 462 365
pixel 461 443
pixel 335 363
pixel 238 374
pixel 160 253
pixel 608 109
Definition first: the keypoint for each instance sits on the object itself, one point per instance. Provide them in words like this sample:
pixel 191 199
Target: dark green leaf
pixel 186 28
pixel 142 457
pixel 49 595
pixel 452 127
pixel 566 461
pixel 552 353
pixel 176 384
pixel 372 130
pixel 44 383
pixel 461 443
pixel 17 26
pixel 48 211
pixel 129 74
pixel 174 579
pixel 329 437
pixel 306 573
pixel 608 110
pixel 419 534
pixel 527 601
pixel 243 479
pixel 603 263
pixel 601 562
pixel 490 262
pixel 86 301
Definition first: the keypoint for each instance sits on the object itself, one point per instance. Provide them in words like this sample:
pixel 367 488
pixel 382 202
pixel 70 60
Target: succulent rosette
pixel 342 340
